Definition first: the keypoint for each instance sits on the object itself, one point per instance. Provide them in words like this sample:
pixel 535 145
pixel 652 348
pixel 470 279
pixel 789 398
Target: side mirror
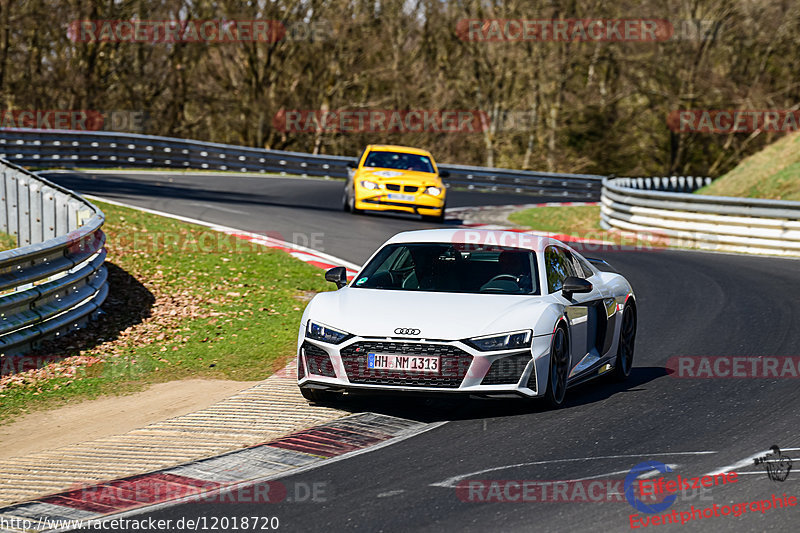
pixel 574 285
pixel 337 275
pixel 352 164
pixel 444 173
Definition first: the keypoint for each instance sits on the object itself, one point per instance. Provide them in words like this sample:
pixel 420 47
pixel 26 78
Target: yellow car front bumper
pixel 420 204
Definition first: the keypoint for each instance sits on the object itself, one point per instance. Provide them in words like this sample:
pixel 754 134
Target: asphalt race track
pixel 689 304
pixel 294 209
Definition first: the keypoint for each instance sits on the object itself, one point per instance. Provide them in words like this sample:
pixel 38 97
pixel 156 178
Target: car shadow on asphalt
pixel 444 407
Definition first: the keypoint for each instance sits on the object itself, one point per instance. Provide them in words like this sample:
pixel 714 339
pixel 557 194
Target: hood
pixel 381 175
pixel 443 316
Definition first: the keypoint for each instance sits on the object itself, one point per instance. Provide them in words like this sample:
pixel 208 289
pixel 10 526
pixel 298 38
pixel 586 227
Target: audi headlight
pixel 322 333
pixel 370 185
pixel 506 341
pixel 433 191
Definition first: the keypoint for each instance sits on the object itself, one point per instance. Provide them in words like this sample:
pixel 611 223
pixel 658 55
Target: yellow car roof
pixel 395 148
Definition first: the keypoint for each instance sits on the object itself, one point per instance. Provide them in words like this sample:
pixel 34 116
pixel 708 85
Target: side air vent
pixel 508 370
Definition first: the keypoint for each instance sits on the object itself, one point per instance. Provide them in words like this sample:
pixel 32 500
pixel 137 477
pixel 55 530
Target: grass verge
pixel 583 223
pixel 185 302
pixel 7 242
pixel 772 173
pixel 576 220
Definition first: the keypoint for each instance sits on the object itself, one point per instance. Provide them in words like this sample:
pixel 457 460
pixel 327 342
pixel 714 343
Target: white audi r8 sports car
pixel 486 313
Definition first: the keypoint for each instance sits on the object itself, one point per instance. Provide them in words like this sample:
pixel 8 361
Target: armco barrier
pixel 82 149
pixel 55 280
pixel 717 223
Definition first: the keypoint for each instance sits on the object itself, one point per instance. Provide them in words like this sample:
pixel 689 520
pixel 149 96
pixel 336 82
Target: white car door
pixel 583 311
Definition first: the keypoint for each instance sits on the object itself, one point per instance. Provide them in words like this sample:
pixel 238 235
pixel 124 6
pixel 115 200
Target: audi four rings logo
pixel 406 331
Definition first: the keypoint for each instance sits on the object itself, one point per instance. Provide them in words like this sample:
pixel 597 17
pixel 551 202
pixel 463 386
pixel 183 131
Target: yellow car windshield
pixel 399 161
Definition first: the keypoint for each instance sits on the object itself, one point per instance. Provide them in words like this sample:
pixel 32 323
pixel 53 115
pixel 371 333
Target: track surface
pixel 689 304
pixel 299 210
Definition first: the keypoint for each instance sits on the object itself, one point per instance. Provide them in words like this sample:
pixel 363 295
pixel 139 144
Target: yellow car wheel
pixel 349 201
pixel 439 219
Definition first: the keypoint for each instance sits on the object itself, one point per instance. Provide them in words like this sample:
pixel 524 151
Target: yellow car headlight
pixel 370 185
pixel 433 191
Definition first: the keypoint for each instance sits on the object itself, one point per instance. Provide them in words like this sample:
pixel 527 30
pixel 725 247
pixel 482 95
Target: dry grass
pixel 7 242
pixel 772 173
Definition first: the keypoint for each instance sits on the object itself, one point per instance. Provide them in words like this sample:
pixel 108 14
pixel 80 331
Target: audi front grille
pixel 454 363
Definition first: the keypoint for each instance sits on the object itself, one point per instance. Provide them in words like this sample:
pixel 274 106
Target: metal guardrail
pixel 70 149
pixel 717 223
pixel 55 280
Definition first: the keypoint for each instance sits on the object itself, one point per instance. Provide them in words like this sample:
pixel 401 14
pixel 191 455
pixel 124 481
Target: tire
pixel 351 203
pixel 319 395
pixel 345 201
pixel 627 339
pixel 559 369
pixel 438 219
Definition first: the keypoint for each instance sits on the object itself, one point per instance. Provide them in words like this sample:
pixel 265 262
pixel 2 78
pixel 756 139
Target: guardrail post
pixel 37 233
pixel 11 205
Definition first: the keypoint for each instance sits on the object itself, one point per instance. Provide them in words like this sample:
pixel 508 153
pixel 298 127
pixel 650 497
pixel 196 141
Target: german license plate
pixel 404 363
pixel 401 197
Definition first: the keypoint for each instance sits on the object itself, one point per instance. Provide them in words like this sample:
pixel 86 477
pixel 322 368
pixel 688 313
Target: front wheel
pixel 353 203
pixel 345 201
pixel 439 219
pixel 627 338
pixel 559 369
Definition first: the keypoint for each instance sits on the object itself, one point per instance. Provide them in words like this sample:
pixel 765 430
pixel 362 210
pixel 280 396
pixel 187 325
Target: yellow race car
pixel 396 178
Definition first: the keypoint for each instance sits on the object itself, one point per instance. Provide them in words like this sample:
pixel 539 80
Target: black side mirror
pixel 574 285
pixel 444 173
pixel 352 164
pixel 337 275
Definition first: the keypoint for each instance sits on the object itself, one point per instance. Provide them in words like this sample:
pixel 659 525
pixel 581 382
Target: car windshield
pixel 399 160
pixel 451 267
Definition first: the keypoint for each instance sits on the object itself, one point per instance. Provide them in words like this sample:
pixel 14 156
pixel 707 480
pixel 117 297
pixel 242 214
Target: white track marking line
pixel 739 464
pixel 614 473
pixel 217 208
pixel 654 473
pixel 450 483
pixel 228 229
pixel 762 473
pixel 747 461
pixel 391 493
